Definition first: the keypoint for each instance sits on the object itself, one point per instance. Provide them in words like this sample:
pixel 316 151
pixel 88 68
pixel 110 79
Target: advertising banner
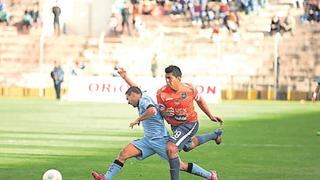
pixel 112 89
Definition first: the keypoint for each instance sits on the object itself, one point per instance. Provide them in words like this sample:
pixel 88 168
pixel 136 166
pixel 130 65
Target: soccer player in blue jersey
pixel 316 92
pixel 155 136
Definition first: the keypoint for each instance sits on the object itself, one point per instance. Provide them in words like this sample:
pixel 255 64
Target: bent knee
pixel 183 166
pixel 123 156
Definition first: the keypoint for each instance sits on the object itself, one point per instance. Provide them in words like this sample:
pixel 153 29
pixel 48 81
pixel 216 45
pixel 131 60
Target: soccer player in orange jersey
pixel 176 103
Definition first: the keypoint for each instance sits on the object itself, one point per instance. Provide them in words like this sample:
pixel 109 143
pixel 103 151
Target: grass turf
pixel 262 140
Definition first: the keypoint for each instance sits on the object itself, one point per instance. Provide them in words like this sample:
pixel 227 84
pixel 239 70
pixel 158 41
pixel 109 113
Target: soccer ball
pixel 52 174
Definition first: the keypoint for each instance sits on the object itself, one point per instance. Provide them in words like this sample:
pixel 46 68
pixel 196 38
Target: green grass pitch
pixel 262 140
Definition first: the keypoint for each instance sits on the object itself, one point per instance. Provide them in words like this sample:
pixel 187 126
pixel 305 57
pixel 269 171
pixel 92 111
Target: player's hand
pixel 168 112
pixel 122 72
pixel 217 119
pixel 136 122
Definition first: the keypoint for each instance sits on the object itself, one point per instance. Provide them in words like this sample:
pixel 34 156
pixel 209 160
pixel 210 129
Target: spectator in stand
pixel 27 21
pixel 4 16
pixel 158 10
pixel 210 14
pixel 313 11
pixel 183 7
pixel 161 2
pixel 147 7
pixel 305 11
pixel 113 23
pixel 275 25
pixel 56 22
pixel 30 11
pixel 234 6
pixel 247 5
pixel 224 9
pixel 176 8
pixel 263 3
pixel 318 11
pixel 190 4
pixel 1 5
pixel 231 21
pixel 241 4
pixel 299 3
pixel 216 10
pixel 203 4
pixel 311 15
pixel 135 10
pixel 197 11
pixel 203 14
pixel 288 24
pixel 125 14
pixel 36 15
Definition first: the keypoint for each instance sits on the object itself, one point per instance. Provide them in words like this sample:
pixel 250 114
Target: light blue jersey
pixel 156 135
pixel 153 127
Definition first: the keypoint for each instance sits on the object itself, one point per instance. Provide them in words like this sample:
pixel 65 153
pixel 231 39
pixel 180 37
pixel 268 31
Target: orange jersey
pixel 180 103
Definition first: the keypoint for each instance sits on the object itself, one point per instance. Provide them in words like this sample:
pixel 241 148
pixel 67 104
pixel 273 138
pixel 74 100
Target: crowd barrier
pixel 20 92
pixel 250 94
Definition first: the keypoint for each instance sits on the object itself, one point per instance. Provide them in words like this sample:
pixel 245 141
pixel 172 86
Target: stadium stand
pixel 239 63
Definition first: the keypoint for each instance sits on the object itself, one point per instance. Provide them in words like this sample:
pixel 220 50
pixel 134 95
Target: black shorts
pixel 183 133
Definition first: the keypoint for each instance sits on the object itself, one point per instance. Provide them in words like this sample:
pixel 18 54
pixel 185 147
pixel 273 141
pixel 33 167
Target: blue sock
pixel 175 168
pixel 197 170
pixel 207 137
pixel 113 169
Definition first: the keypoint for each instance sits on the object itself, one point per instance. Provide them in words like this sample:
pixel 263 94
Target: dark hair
pixel 175 70
pixel 134 89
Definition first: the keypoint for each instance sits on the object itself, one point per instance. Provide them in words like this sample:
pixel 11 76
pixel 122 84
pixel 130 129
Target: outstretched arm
pixel 123 73
pixel 204 107
pixel 151 111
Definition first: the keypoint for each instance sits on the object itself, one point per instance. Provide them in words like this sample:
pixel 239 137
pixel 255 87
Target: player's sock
pixel 207 137
pixel 114 169
pixel 197 170
pixel 174 168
